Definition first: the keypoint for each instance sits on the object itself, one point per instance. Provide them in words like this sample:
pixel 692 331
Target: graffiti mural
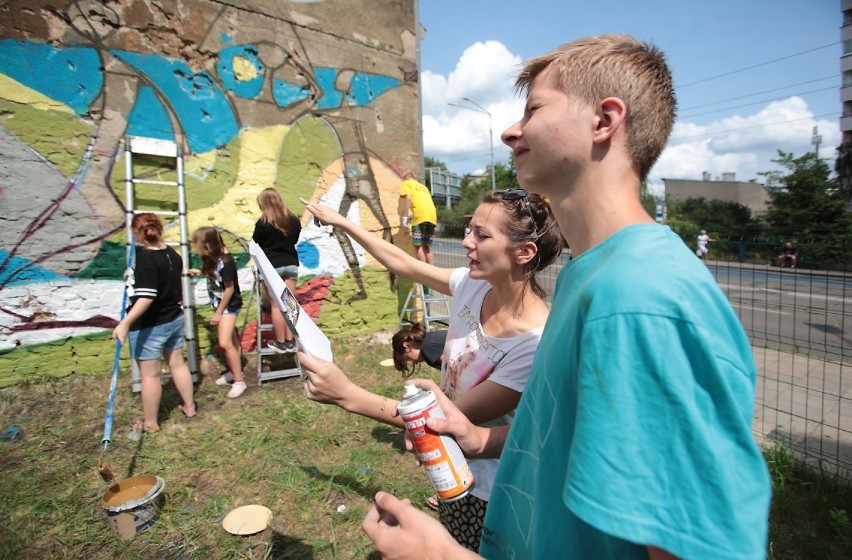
pixel 317 99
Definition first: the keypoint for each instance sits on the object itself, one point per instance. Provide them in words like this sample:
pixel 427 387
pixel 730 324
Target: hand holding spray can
pixel 439 454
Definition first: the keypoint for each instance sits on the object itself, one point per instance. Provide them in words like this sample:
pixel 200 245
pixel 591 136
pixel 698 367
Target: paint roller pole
pixel 107 438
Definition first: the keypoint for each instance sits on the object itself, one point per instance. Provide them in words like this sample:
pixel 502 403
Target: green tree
pixel 809 210
pixel 728 223
pixel 429 161
pixel 453 220
pixel 843 169
pixel 649 201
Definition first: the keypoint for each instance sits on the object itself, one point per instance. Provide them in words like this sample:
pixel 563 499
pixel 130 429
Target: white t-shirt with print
pixel 471 357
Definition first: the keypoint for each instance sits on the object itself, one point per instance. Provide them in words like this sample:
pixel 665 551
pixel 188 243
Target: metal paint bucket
pixel 132 504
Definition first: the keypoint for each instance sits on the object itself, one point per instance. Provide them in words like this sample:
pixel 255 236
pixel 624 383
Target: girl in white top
pixel 497 316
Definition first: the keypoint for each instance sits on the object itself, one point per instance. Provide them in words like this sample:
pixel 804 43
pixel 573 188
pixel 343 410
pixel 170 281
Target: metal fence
pixel 796 320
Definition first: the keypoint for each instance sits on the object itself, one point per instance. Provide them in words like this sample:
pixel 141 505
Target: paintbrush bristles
pixel 106 473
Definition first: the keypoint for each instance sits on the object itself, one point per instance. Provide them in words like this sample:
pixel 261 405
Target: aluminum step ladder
pixel 169 151
pixel 426 307
pixel 267 356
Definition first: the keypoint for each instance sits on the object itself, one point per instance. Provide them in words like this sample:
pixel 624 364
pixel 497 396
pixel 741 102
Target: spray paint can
pixel 439 454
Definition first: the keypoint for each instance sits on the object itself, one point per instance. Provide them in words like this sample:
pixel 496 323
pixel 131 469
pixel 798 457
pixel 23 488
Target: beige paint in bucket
pixel 132 504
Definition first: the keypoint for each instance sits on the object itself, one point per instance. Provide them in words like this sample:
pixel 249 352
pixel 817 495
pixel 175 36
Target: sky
pixel 751 76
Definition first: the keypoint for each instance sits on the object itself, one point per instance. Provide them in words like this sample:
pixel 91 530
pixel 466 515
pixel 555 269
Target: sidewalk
pixel 806 403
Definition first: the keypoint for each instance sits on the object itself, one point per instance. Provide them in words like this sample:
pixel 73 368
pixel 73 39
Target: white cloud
pixel 483 73
pixel 744 144
pixel 460 136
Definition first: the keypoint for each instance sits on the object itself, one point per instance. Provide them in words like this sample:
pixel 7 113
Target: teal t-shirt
pixel 635 425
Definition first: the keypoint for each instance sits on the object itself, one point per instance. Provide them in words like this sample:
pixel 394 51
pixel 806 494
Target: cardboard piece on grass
pixel 309 337
pixel 247 520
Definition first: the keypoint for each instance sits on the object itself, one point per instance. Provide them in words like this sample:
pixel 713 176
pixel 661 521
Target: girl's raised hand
pixel 323 215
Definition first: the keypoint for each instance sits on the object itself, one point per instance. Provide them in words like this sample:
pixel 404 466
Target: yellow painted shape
pixel 388 184
pixel 244 69
pixel 237 211
pixel 199 164
pixel 15 91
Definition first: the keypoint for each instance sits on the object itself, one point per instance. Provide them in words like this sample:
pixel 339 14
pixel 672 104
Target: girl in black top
pixel 223 287
pixel 277 233
pixel 154 320
pixel 414 345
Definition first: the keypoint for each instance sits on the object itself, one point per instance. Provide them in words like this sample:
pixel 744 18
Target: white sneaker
pixel 237 389
pixel 225 379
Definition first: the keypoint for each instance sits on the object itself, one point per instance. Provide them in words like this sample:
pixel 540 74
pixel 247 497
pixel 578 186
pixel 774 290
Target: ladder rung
pixel 152 182
pixel 157 212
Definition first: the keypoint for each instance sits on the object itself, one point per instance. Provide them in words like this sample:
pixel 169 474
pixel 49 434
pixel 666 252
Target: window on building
pixel 847 78
pixel 847 18
pixel 847 109
pixel 847 47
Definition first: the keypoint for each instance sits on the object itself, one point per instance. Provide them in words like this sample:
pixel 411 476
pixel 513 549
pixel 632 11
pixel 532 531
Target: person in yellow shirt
pixel 416 200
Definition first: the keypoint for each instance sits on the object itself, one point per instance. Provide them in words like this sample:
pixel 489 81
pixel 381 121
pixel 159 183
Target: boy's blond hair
pixel 594 68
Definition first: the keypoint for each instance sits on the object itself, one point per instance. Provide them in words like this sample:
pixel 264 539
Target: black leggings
pixel 463 518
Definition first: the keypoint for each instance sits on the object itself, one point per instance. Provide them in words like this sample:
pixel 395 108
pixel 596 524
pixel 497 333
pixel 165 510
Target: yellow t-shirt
pixel 422 207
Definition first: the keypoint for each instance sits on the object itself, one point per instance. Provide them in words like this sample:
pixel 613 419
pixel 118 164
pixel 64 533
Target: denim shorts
pixel 232 311
pixel 153 342
pixel 289 271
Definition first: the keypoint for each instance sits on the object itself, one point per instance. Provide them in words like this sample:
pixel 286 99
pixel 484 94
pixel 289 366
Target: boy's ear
pixel 612 114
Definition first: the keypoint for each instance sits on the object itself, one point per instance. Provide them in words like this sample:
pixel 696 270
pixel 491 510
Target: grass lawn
pixel 314 466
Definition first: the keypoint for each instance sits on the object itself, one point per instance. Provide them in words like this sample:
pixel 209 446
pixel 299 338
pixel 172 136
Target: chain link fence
pixel 800 325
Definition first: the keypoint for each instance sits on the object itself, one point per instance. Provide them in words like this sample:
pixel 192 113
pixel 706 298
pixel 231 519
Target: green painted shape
pixel 339 318
pixel 60 137
pixel 308 148
pixel 108 264
pixel 59 358
pixel 403 287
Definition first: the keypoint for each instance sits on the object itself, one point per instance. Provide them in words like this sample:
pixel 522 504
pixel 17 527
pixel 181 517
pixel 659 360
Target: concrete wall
pixel 318 99
pixel 753 196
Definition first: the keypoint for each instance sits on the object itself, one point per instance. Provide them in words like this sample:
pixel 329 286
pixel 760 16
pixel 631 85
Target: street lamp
pixel 480 109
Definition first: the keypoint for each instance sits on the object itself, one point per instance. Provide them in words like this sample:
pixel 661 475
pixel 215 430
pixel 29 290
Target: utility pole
pixel 480 109
pixel 816 139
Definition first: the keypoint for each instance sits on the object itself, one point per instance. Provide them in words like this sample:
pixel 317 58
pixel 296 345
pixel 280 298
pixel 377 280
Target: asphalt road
pixel 793 310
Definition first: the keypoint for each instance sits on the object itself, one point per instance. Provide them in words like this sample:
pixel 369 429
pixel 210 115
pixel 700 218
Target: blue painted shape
pixel 248 89
pixel 205 115
pixel 226 38
pixel 149 117
pixel 309 255
pixel 288 93
pixel 70 75
pixel 365 88
pixel 29 275
pixel 331 98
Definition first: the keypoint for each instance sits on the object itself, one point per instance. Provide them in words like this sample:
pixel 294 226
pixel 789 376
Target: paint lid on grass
pixel 386 363
pixel 247 520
